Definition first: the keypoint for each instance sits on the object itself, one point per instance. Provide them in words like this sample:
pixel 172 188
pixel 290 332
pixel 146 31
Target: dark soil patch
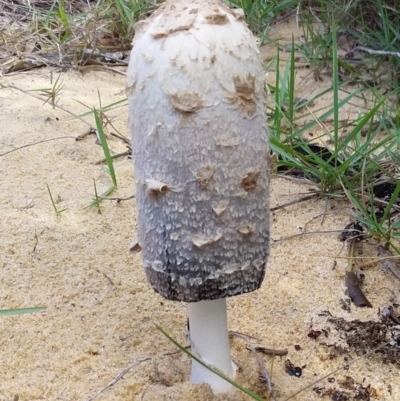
pixel 364 337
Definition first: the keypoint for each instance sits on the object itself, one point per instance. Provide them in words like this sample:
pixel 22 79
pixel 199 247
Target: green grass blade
pixel 104 145
pixel 111 106
pixel 335 89
pixel 56 211
pixel 291 88
pixel 20 311
pixel 363 121
pixel 63 17
pixel 98 198
pixel 245 390
pixel 392 201
pixel 327 114
pixel 278 110
pixel 125 11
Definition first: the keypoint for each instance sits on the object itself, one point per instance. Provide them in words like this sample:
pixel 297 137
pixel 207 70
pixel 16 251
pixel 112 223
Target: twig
pixel 105 275
pixel 119 377
pixel 119 136
pixel 305 198
pixel 126 153
pixel 36 242
pixel 37 143
pixel 352 245
pixel 94 67
pixel 381 251
pixel 380 202
pixel 303 181
pixel 232 333
pixel 118 62
pixel 123 372
pixel 325 211
pixel 309 233
pixel 272 352
pixel 260 362
pixel 120 199
pixel 90 131
pixel 144 392
pixel 318 121
pixel 379 52
pixel 322 214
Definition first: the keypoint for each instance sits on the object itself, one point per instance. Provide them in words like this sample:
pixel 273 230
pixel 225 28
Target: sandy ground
pixel 101 312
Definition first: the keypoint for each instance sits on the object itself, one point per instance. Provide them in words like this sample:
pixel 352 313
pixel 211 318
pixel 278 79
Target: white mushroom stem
pixel 210 342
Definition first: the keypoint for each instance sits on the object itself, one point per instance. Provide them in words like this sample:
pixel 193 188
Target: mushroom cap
pixel 200 147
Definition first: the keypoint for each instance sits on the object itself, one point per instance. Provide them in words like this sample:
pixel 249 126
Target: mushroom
pixel 200 148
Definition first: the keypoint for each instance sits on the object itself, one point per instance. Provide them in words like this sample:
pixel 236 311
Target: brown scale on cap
pixel 204 175
pixel 189 102
pixel 249 181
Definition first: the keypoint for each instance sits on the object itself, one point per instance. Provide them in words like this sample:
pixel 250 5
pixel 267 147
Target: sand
pixel 100 312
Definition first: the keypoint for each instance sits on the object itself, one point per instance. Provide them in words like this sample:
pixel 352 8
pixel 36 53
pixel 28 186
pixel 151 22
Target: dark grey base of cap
pixel 226 285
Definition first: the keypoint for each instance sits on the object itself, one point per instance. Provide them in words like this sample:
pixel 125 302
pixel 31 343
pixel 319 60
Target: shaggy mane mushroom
pixel 199 137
